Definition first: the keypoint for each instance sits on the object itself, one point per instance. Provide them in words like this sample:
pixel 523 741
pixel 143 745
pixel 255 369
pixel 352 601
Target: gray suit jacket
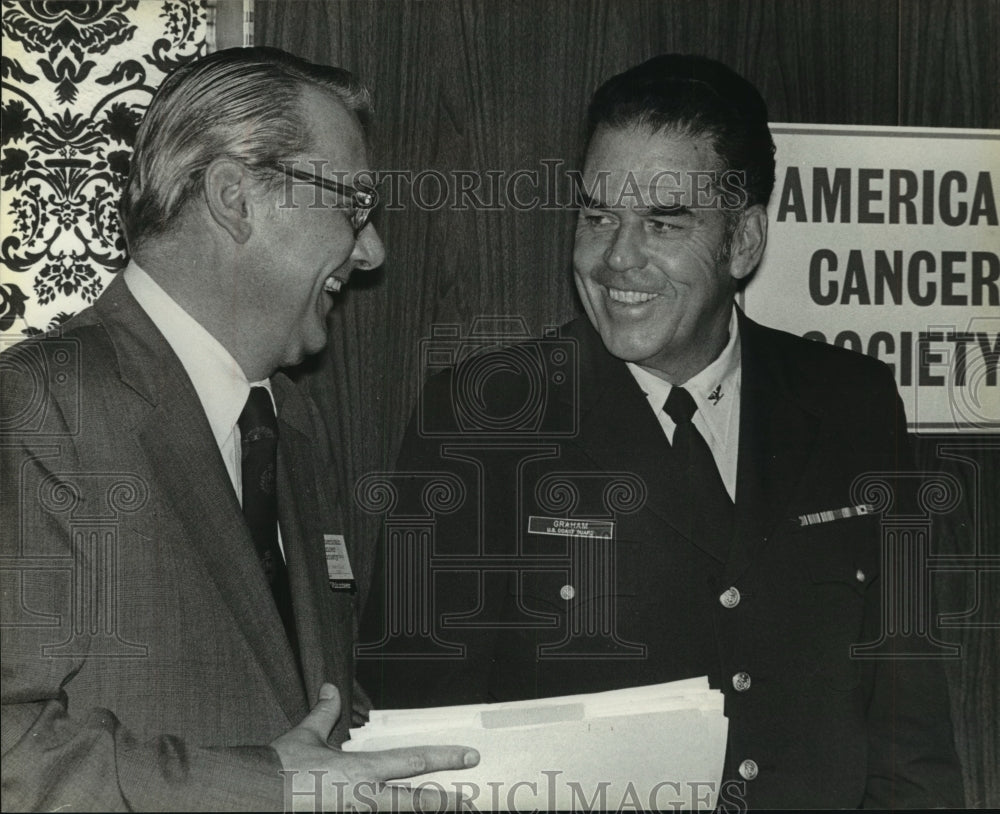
pixel 144 663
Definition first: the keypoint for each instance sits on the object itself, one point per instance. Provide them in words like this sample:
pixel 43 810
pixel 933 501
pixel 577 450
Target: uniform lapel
pixel 777 435
pixel 619 432
pixel 192 480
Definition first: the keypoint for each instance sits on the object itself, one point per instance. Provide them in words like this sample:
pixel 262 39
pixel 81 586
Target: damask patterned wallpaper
pixel 77 77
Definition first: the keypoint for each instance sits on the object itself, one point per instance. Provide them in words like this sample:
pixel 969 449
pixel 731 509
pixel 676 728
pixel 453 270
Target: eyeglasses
pixel 363 201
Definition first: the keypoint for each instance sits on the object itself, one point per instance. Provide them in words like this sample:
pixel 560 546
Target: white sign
pixel 885 240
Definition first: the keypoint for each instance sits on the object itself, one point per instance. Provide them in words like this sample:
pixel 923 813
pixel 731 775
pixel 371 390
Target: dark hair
pixel 243 103
pixel 694 96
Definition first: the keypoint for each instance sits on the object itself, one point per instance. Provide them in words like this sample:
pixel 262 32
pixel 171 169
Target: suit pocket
pixel 539 592
pixel 574 608
pixel 562 572
pixel 830 597
pixel 841 552
pixel 565 583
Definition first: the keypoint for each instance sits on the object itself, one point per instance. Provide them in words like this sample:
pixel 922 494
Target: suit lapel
pixel 193 481
pixel 619 432
pixel 777 435
pixel 322 635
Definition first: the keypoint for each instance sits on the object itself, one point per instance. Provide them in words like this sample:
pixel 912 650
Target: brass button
pixel 748 769
pixel 567 592
pixel 741 681
pixel 730 598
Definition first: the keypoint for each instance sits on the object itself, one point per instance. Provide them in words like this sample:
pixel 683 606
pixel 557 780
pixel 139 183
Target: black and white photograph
pixel 499 405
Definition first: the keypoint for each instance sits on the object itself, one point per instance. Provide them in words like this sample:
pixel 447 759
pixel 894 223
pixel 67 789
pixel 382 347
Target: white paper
pixel 653 747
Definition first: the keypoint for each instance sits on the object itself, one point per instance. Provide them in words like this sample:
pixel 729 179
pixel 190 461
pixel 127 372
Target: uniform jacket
pixel 144 663
pixel 769 616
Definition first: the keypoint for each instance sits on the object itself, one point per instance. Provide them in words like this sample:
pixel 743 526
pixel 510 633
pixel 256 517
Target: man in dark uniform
pixel 685 496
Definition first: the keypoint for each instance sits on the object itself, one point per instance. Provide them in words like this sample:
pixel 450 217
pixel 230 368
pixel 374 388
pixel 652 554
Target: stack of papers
pixel 654 747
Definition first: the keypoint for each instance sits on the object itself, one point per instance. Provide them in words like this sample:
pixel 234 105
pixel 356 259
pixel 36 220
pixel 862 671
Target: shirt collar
pixel 714 389
pixel 218 379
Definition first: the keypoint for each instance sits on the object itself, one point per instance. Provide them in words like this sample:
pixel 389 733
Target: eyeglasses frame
pixel 363 201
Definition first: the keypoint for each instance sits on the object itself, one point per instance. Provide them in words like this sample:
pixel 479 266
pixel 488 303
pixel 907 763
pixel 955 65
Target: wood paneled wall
pixel 488 85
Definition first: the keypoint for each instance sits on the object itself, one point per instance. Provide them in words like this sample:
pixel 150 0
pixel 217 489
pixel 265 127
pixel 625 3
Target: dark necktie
pixel 259 447
pixel 710 520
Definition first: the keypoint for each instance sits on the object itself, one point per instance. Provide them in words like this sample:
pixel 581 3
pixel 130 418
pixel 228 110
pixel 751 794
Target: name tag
pixel 338 565
pixel 566 527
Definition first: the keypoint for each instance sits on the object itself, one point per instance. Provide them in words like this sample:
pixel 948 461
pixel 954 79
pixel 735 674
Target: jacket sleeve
pixel 91 762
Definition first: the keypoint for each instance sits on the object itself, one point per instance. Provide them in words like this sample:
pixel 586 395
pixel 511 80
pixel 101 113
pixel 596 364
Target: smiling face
pixel 304 247
pixel 656 255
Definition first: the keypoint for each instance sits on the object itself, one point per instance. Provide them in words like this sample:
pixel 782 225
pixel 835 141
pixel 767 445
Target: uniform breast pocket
pixel 841 552
pixel 576 606
pixel 572 575
pixel 830 595
pixel 539 592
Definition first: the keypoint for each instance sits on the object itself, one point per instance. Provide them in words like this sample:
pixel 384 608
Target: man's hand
pixel 356 778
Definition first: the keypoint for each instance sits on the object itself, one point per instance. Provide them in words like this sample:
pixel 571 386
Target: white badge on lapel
pixel 338 565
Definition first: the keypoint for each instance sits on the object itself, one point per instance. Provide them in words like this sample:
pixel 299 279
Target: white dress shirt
pixel 716 392
pixel 218 379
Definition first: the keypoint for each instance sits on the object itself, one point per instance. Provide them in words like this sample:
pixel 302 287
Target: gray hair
pixel 241 103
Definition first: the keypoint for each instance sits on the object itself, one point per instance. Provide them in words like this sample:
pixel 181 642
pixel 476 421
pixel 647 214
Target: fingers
pixel 322 718
pixel 440 758
pixel 392 764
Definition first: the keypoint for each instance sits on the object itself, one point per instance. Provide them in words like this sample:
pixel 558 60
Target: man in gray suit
pixel 173 556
